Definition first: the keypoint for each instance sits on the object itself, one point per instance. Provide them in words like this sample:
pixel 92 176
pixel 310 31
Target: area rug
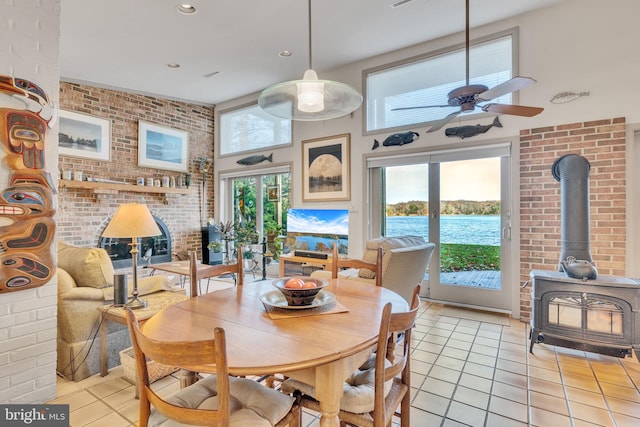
pixel 477 315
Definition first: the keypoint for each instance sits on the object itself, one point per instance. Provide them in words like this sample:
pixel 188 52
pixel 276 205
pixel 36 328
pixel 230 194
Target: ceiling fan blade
pixel 514 110
pixel 419 106
pixel 440 123
pixel 509 86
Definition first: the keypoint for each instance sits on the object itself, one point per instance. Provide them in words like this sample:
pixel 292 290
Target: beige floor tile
pixel 513 347
pixel 511 355
pixel 481 359
pixel 420 367
pixel 444 374
pixel 451 423
pixel 76 400
pixel 623 407
pixel 556 404
pixel 584 383
pixel 614 377
pixel 477 383
pixel 467 415
pixel 483 349
pixel 460 345
pixel 113 419
pixel 465 329
pixel 89 413
pixel 509 366
pixel 450 362
pixel 621 392
pixel 439 332
pixel 546 387
pixel 598 416
pixel 544 374
pixel 471 397
pixel 423 356
pixel 581 423
pixel 497 420
pixel 590 398
pixel 511 378
pixel 490 335
pixel 454 353
pixel 424 418
pixel 509 392
pixel 576 370
pixel 431 403
pixel 623 420
pixel 109 387
pixel 439 387
pixel 122 398
pixel 542 418
pixel 508 408
pixel 479 370
pixel 456 335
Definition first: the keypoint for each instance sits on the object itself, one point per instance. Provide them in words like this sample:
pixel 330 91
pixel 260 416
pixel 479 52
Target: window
pixel 428 79
pixel 249 128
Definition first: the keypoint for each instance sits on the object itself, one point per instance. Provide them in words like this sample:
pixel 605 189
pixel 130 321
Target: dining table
pixel 321 345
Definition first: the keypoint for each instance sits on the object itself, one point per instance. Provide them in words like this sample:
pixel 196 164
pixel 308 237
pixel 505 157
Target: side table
pixel 157 301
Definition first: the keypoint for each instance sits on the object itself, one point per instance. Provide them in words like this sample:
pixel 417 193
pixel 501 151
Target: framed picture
pixel 325 168
pixel 273 193
pixel 162 148
pixel 85 136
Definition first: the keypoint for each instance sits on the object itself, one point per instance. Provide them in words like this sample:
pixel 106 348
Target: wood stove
pixel 601 316
pixel 574 307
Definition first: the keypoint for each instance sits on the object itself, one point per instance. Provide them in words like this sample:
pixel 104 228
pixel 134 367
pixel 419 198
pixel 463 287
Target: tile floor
pixel 465 372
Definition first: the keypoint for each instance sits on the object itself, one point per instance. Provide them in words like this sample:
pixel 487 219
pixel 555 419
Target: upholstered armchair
pixel 405 260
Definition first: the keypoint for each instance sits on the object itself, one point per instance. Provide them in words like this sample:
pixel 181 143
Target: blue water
pixel 462 229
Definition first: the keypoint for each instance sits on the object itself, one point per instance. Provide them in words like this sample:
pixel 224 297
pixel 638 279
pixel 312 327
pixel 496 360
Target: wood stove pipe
pixel 572 171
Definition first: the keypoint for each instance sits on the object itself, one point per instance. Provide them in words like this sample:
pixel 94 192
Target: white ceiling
pixel 127 44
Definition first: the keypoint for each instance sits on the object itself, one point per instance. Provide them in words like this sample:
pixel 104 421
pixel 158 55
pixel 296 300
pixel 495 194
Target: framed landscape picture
pixel 85 136
pixel 162 148
pixel 325 168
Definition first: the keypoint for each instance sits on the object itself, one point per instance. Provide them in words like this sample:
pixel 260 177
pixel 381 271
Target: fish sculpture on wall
pixel 397 139
pixel 463 132
pixel 254 160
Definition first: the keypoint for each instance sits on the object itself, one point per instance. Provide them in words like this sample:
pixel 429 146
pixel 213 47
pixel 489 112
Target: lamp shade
pixel 132 220
pixel 310 99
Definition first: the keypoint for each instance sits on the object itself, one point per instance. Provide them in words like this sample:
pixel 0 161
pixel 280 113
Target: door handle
pixel 506 233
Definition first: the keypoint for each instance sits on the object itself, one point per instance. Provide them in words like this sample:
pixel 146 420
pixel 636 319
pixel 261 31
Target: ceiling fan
pixel 469 96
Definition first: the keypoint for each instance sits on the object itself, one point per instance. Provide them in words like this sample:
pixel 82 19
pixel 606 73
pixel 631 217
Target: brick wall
pixel 602 143
pixel 82 215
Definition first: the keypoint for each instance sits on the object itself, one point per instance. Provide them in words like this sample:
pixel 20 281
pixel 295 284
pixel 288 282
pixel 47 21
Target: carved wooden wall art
pixel 27 227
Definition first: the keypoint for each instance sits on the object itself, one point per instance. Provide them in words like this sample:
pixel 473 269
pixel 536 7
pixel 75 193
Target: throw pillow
pixel 88 266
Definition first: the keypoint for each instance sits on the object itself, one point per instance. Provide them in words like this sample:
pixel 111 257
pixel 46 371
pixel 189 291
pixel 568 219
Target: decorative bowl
pixel 299 296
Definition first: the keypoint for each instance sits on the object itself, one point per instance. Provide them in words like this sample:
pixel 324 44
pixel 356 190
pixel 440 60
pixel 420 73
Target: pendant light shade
pixel 310 99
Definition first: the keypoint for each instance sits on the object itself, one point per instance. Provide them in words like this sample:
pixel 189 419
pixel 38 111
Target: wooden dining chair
pixel 374 392
pixel 216 400
pixel 208 271
pixel 339 263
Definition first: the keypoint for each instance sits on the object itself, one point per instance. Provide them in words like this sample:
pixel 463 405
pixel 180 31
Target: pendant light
pixel 310 99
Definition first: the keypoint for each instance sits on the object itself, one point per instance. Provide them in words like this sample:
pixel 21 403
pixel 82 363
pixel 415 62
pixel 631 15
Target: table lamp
pixel 133 220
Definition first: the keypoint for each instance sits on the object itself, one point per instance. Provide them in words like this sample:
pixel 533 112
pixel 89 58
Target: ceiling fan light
pixel 310 93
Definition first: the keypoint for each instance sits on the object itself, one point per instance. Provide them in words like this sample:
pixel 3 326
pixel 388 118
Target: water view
pixel 460 229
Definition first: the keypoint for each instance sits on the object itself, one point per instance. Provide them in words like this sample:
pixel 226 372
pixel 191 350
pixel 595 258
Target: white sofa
pixel 404 262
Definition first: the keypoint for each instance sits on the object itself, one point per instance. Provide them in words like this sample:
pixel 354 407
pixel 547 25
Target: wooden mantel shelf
pixel 112 188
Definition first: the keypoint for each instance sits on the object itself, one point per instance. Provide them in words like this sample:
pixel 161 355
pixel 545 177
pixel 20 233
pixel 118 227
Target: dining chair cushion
pixel 358 388
pixel 251 403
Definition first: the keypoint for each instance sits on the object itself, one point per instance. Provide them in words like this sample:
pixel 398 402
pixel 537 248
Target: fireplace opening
pixel 152 250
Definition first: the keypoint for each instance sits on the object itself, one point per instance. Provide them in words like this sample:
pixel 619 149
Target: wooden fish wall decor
pixel 463 132
pixel 254 160
pixel 397 139
pixel 26 204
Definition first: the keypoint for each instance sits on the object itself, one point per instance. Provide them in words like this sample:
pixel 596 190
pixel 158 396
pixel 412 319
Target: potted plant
pixel 215 246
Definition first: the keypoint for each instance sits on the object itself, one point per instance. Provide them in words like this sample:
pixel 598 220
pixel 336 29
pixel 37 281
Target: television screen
pixel 318 229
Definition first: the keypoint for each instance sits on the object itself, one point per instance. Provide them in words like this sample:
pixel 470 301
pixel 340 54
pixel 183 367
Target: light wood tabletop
pixel 322 349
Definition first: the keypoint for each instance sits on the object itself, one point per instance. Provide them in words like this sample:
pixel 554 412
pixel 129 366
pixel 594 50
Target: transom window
pixel 249 128
pixel 427 80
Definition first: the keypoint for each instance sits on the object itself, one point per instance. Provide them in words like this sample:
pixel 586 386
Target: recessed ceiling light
pixel 285 54
pixel 211 74
pixel 173 65
pixel 186 9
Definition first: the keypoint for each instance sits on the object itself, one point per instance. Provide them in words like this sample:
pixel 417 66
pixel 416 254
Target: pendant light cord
pixel 309 22
pixel 466 39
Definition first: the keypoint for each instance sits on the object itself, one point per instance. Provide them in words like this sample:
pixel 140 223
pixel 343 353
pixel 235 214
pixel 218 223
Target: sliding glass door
pixel 459 201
